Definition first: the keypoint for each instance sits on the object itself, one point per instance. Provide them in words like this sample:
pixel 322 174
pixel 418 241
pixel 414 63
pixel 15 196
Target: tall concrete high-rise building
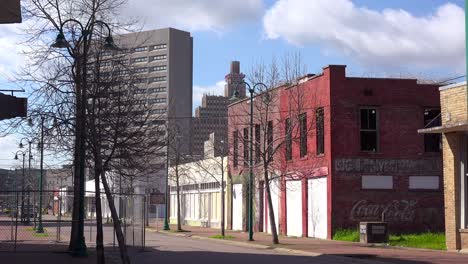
pixel 163 60
pixel 211 116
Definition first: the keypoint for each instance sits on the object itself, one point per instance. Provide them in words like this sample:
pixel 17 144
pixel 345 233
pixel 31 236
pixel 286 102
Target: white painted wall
pixel 237 207
pixel 274 187
pixel 294 208
pixel 317 208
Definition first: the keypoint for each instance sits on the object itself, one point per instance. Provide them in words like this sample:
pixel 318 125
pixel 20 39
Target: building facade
pixel 355 156
pixel 163 60
pixel 454 127
pixel 211 116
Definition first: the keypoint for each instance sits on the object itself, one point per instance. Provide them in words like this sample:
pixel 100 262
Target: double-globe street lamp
pixel 252 92
pixel 78 246
pixel 30 157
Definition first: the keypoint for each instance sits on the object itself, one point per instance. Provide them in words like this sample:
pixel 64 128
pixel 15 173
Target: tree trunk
pixel 179 224
pixel 97 197
pixel 75 236
pixel 271 213
pixel 117 226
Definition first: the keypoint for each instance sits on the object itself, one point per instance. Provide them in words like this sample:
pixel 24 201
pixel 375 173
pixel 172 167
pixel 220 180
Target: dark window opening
pixel 320 131
pixel 369 130
pixel 257 143
pixel 270 140
pixel 432 142
pixel 235 136
pixel 288 136
pixel 303 134
pixel 246 146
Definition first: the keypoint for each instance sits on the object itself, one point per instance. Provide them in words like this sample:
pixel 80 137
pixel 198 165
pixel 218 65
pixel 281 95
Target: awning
pixel 446 128
pixel 10 11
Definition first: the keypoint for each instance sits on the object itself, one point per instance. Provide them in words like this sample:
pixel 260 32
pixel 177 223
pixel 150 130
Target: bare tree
pixel 177 156
pixel 271 134
pixel 215 166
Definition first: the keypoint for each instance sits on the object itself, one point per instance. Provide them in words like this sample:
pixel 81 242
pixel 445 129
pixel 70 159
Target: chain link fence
pixel 22 215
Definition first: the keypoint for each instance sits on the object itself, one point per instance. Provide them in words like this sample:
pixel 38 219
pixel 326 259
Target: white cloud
pixel 375 38
pixel 194 14
pixel 11 58
pixel 199 91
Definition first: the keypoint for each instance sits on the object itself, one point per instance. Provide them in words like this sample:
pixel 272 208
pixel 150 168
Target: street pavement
pixel 166 248
pixel 385 254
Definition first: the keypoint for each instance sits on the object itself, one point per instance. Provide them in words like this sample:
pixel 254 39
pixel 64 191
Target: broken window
pixel 319 127
pixel 288 136
pixel 303 134
pixel 431 141
pixel 369 129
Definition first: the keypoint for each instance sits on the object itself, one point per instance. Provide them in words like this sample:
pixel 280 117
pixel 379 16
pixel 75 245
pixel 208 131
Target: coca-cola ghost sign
pixel 394 211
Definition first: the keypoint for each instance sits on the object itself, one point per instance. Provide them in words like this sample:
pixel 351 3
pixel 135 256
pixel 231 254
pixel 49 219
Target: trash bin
pixel 373 232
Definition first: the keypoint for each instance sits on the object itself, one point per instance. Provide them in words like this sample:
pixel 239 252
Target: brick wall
pixel 453 104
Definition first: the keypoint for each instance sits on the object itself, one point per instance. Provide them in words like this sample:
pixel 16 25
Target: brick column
pixel 452 147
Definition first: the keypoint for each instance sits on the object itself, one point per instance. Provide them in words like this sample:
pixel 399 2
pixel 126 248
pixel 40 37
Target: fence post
pixel 16 220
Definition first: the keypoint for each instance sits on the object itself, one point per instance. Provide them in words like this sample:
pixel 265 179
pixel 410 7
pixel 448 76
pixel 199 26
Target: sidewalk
pixel 310 246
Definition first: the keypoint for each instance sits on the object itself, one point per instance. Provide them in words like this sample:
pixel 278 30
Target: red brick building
pixel 353 155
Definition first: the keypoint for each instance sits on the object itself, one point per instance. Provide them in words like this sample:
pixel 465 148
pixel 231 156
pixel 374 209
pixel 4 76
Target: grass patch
pixel 40 234
pixel 178 231
pixel 228 237
pixel 422 240
pixel 426 240
pixel 350 235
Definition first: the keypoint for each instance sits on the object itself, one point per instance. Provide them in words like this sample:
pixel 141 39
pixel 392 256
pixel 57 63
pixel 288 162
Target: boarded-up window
pixel 424 182
pixel 377 182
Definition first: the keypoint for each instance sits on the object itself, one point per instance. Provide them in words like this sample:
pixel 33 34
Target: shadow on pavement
pixel 38 253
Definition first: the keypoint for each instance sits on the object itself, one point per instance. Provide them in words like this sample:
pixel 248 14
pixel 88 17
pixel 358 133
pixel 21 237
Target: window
pixel 432 141
pixel 140 70
pixel 158 79
pixel 288 136
pixel 235 138
pixel 270 140
pixel 303 134
pixel 140 49
pixel 159 46
pixel 158 68
pixel 257 143
pixel 246 146
pixel 158 111
pixel 141 59
pixel 157 90
pixel 319 131
pixel 158 57
pixel 369 129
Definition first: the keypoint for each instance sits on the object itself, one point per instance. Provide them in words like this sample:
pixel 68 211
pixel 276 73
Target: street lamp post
pixel 78 246
pixel 21 145
pixel 22 183
pixel 251 164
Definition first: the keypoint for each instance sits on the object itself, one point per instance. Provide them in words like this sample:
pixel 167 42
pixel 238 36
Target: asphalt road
pixel 163 248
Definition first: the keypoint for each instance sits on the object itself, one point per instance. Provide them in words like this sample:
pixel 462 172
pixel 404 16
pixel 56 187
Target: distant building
pixel 211 116
pixel 163 60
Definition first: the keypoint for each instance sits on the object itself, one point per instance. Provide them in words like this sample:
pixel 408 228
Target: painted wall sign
pixel 386 165
pixel 394 211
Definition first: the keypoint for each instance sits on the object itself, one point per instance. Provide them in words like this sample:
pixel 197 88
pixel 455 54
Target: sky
pixel 421 38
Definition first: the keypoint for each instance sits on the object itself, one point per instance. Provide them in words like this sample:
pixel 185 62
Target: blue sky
pixel 420 38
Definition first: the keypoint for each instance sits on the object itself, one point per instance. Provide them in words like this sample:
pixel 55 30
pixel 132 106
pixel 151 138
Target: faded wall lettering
pixel 387 165
pixel 394 211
